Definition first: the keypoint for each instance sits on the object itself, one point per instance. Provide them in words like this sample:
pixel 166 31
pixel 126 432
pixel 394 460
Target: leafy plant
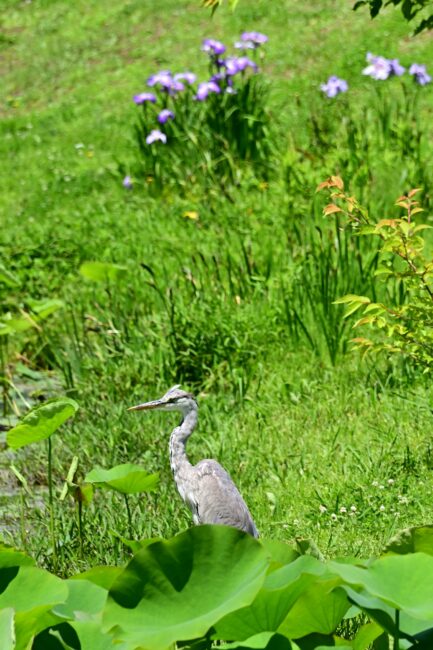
pixel 407 326
pixel 16 319
pixel 40 424
pixel 189 134
pixel 409 8
pixel 214 583
pixel 81 492
pixel 126 479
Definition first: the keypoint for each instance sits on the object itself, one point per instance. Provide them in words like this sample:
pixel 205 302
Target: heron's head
pixel 175 399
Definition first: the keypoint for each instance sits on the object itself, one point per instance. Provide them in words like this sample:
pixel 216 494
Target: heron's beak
pixel 147 406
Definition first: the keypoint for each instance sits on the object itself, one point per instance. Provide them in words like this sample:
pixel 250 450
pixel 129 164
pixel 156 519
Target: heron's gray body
pixel 206 488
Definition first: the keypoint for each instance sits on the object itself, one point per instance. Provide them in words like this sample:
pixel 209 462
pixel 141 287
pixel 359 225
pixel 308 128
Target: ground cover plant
pixel 114 289
pixel 202 134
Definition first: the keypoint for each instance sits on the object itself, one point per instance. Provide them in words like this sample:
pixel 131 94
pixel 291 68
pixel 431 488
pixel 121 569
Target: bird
pixel 206 487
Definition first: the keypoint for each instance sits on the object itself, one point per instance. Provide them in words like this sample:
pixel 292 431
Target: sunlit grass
pixel 233 302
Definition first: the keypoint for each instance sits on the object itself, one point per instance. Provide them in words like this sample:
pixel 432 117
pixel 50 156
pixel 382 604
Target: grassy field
pixel 235 304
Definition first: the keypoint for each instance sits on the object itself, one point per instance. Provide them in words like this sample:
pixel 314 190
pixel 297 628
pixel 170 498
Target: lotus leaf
pixel 177 589
pixel 402 581
pixel 319 608
pixel 279 593
pixel 262 641
pixel 7 629
pixel 126 478
pixel 418 539
pixel 41 422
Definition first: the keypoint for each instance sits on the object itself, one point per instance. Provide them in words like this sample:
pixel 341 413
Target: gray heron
pixel 206 488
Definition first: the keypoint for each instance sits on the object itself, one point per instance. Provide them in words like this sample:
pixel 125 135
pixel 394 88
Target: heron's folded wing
pixel 218 499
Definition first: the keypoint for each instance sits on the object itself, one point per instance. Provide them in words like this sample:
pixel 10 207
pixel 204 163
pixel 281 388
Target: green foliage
pixel 41 422
pixel 409 325
pixel 418 539
pixel 409 8
pixel 7 628
pixel 152 600
pixel 126 478
pixel 214 4
pixel 102 271
pixel 214 583
pixel 229 292
pixel 210 142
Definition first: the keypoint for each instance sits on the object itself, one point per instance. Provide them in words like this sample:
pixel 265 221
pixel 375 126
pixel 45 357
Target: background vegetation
pixel 226 287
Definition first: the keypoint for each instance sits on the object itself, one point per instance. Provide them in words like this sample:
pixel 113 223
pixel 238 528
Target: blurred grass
pixel 216 302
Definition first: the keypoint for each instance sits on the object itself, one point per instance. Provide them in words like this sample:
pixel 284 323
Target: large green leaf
pixel 126 478
pixel 103 576
pixel 384 614
pixel 177 589
pixel 102 271
pixel 32 594
pixel 401 581
pixel 10 557
pixel 279 593
pixel 418 539
pixel 87 596
pixel 136 545
pixel 92 637
pixel 7 629
pixel 280 552
pixel 84 602
pixel 41 422
pixel 262 641
pixel 342 646
pixel 320 608
pixel 33 587
pixel 366 635
pixel 10 562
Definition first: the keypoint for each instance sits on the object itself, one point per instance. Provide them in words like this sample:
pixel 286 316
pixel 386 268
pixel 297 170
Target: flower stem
pixel 80 527
pixel 23 520
pixel 51 504
pixel 128 511
pixel 395 645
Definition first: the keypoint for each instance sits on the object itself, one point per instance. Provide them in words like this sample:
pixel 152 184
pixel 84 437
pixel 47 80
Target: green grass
pixel 237 305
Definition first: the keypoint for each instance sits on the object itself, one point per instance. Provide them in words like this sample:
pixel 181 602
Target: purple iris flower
pixel 156 135
pixel 205 88
pixel 244 62
pixel 162 78
pixel 235 64
pixel 189 77
pixel 167 82
pixel 334 86
pixel 396 69
pixel 213 47
pixel 219 76
pixel 231 65
pixel 175 87
pixel 420 74
pixel 256 38
pixel 379 68
pixel 141 98
pixel 127 183
pixel 245 45
pixel 165 115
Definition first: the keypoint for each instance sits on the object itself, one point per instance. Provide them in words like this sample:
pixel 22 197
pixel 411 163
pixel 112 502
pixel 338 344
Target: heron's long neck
pixel 178 458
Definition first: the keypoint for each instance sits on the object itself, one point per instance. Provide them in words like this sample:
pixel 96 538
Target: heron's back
pixel 214 498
